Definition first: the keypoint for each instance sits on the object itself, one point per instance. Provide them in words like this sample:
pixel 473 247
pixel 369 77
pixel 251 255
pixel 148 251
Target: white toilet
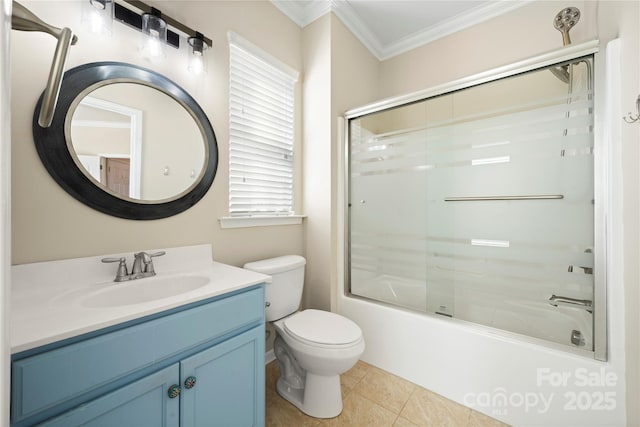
pixel 312 347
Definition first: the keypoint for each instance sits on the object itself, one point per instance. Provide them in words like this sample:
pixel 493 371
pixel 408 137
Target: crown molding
pixel 354 23
pixel 457 23
pixel 304 15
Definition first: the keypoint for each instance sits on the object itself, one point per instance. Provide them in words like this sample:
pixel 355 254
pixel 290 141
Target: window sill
pixel 259 221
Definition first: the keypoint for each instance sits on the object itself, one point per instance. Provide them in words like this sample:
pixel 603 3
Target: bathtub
pixel 474 364
pixel 537 319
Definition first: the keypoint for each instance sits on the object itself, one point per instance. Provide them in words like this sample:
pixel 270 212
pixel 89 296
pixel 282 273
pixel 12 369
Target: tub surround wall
pixel 71 229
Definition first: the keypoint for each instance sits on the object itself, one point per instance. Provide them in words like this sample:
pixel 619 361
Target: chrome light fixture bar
pixel 130 12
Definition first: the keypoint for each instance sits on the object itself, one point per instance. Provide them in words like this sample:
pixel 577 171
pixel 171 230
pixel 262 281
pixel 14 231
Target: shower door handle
pixel 558 301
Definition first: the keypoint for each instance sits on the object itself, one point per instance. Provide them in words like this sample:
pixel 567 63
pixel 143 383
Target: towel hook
pixel 630 118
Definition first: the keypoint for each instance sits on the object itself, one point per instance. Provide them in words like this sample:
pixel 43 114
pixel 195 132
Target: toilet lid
pixel 323 327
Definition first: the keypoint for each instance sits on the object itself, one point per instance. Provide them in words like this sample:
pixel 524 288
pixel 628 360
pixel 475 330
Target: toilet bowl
pixel 311 363
pixel 312 347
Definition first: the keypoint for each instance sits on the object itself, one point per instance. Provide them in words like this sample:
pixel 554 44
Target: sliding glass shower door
pixel 479 204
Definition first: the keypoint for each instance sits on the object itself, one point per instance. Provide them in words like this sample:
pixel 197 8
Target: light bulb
pixel 197 64
pixel 97 16
pixel 154 30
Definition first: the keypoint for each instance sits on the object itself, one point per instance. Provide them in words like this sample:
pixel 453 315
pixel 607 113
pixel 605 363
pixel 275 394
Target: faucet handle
pixel 122 273
pixel 149 265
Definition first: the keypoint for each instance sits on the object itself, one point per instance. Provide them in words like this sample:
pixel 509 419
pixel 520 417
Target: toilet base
pixel 321 397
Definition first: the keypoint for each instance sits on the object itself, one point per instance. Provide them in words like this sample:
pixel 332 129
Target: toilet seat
pixel 322 328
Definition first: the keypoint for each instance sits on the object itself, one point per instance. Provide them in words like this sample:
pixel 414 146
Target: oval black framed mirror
pixel 128 142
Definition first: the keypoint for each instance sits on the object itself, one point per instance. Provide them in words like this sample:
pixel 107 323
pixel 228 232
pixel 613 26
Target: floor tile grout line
pixel 415 388
pixel 469 416
pixel 377 404
pixel 397 412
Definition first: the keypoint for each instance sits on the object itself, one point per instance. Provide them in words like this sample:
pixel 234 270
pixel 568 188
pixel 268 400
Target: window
pixel 261 132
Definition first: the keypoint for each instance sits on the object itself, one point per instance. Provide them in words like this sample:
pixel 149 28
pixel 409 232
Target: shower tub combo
pixel 474 232
pixel 479 204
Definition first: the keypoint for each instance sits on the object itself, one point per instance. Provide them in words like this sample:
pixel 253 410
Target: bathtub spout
pixel 559 301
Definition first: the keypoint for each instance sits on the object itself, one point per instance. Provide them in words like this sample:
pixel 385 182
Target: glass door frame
pixel 601 167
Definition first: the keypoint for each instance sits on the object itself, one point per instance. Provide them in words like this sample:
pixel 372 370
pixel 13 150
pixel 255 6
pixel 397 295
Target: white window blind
pixel 261 132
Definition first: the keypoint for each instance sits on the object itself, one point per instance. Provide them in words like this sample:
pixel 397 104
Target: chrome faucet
pixel 558 301
pixel 142 266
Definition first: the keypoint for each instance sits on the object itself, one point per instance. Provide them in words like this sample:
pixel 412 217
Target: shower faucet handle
pixel 587 270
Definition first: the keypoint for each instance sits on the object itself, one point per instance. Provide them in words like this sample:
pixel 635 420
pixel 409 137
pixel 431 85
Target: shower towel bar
pixel 490 198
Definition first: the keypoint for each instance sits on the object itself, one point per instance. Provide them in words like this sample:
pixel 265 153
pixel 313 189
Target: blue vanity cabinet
pixel 143 403
pixel 211 352
pixel 229 385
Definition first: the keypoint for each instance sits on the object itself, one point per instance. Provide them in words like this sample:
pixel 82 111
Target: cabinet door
pixel 143 403
pixel 229 383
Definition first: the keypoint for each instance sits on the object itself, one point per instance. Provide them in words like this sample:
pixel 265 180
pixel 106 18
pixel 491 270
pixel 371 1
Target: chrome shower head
pixel 561 72
pixel 565 20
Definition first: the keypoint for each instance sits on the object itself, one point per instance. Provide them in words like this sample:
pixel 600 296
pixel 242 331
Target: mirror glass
pixel 125 135
pixel 128 142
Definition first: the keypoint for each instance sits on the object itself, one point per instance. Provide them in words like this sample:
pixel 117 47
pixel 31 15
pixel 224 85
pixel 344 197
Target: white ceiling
pixel 390 27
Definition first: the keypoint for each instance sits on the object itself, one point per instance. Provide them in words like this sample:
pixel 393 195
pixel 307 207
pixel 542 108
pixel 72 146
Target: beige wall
pixel 316 163
pixel 517 35
pixel 340 73
pixel 49 224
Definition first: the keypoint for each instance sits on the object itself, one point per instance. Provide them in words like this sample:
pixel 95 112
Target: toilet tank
pixel 284 293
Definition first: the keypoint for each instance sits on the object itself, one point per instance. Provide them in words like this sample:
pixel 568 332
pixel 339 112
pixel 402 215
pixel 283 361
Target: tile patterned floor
pixel 375 398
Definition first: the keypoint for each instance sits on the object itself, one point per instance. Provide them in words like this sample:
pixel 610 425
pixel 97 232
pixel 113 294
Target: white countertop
pixel 47 298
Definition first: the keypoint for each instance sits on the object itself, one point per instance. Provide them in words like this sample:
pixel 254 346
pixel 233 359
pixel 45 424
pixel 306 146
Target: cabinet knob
pixel 174 391
pixel 190 382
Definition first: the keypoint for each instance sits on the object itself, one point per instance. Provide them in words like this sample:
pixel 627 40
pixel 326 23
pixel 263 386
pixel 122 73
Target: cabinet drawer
pixel 42 381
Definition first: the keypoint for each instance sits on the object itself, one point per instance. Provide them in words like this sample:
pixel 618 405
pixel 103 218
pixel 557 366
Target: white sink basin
pixel 144 290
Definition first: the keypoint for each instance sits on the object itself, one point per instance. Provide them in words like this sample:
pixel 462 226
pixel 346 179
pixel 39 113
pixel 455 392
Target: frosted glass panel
pixel 479 205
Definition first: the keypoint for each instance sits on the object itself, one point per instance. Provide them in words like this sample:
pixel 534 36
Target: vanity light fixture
pixel 133 12
pixel 197 64
pixel 155 30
